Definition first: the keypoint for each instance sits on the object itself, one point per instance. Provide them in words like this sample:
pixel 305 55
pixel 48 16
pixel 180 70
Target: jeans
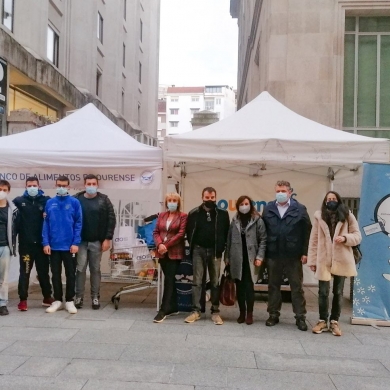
pixel 56 260
pixel 5 258
pixel 202 258
pixel 245 290
pixel 30 254
pixel 90 253
pixel 169 299
pixel 294 272
pixel 323 298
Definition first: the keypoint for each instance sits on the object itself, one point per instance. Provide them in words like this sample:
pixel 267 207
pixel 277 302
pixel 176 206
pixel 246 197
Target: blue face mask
pixel 172 206
pixel 32 191
pixel 91 190
pixel 62 191
pixel 281 197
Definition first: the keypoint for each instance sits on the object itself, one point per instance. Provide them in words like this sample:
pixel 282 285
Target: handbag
pixel 357 254
pixel 227 294
pixel 146 232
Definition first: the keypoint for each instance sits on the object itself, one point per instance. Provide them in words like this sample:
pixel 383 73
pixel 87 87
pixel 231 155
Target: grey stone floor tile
pixel 36 334
pixel 42 366
pixel 146 313
pixel 352 382
pixel 97 324
pixel 117 385
pixel 115 370
pixel 214 377
pixel 320 364
pixel 5 344
pixel 32 322
pixel 277 380
pixel 244 344
pixel 65 350
pixel 127 337
pixel 10 363
pixel 8 382
pixel 197 357
pixel 87 313
pixel 386 362
pixel 374 339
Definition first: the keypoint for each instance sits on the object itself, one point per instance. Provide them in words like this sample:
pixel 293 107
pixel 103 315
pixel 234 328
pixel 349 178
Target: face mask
pixel 332 205
pixel 244 209
pixel 281 197
pixel 172 206
pixel 3 195
pixel 210 204
pixel 91 190
pixel 62 191
pixel 32 191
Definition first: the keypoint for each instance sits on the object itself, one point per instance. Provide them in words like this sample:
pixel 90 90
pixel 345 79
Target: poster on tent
pixel 372 285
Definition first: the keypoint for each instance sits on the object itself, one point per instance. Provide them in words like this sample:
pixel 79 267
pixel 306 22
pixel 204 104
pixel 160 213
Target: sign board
pixel 3 82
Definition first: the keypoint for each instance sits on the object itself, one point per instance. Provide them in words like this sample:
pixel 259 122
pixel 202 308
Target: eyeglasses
pixel 208 216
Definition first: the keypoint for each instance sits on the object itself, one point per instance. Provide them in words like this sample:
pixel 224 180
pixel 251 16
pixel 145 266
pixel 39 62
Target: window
pixel 213 90
pixel 140 73
pixel 174 99
pixel 366 98
pixel 98 83
pixel 141 26
pixel 124 56
pixel 209 104
pixel 174 124
pixel 123 102
pixel 53 41
pixel 194 98
pixel 218 101
pixel 158 133
pixel 8 14
pixel 139 114
pixel 193 110
pixel 174 111
pixel 100 27
pixel 124 9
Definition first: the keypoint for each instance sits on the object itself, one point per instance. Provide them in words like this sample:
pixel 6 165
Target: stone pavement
pixel 123 349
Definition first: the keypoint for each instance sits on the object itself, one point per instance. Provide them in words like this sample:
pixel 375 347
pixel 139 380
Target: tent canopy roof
pixel 265 131
pixel 86 138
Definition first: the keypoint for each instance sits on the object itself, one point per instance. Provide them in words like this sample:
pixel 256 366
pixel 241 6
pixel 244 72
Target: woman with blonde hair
pixel 169 239
pixel 335 231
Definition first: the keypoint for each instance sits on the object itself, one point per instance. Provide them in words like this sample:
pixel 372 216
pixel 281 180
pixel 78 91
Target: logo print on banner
pixel 146 177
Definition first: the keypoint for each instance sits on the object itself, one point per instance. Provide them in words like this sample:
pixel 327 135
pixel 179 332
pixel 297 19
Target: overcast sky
pixel 198 43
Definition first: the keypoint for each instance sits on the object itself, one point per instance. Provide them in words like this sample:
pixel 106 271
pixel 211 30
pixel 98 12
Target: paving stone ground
pixel 123 349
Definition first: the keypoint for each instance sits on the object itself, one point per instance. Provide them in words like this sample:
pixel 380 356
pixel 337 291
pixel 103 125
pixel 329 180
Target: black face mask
pixel 332 205
pixel 210 204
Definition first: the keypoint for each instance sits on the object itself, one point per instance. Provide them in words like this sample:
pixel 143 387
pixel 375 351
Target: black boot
pixel 272 321
pixel 241 318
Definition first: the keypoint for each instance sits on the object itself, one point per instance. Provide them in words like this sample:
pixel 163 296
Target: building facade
pixel 183 102
pixel 62 54
pixel 327 60
pixel 161 120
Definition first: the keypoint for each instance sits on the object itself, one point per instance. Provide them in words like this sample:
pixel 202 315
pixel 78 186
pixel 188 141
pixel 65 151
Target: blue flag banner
pixel 371 293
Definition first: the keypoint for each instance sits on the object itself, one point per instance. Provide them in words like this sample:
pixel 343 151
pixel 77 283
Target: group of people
pixel 51 231
pixel 282 237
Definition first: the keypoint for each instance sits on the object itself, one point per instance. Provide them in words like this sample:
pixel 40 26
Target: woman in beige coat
pixel 335 231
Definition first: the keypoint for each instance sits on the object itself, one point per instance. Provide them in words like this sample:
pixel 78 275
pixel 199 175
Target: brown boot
pixel 249 318
pixel 241 318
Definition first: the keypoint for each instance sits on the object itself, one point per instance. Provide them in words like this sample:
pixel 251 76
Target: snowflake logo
pixel 356 302
pixel 357 282
pixel 366 299
pixel 371 288
pixel 361 311
pixel 361 290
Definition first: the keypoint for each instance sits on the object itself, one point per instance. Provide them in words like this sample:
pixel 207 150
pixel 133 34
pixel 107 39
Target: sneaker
pixel 301 324
pixel 56 305
pixel 160 317
pixel 95 304
pixel 78 302
pixel 22 306
pixel 216 318
pixel 321 326
pixel 47 301
pixel 4 311
pixel 172 313
pixel 334 328
pixel 194 316
pixel 272 321
pixel 70 307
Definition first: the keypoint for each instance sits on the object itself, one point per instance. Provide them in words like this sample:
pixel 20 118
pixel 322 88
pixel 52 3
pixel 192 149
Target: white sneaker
pixel 70 307
pixel 56 305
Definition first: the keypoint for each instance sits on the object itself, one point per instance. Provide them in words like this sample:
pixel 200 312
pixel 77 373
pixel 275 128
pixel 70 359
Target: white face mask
pixel 244 209
pixel 3 195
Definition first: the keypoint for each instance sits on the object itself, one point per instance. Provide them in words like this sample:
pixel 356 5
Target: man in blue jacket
pixel 61 239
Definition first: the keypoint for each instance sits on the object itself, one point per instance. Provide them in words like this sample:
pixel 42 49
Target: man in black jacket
pixel 207 230
pixel 288 232
pixel 96 235
pixel 31 206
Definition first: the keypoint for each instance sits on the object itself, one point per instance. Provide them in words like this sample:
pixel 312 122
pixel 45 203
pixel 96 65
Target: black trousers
pixel 337 301
pixel 293 270
pixel 69 260
pixel 169 299
pixel 244 288
pixel 30 254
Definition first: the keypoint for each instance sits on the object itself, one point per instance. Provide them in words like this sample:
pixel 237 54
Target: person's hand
pixel 313 268
pixel 340 239
pixel 258 262
pixel 47 250
pixel 106 245
pixel 162 249
pixel 304 259
pixel 74 249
